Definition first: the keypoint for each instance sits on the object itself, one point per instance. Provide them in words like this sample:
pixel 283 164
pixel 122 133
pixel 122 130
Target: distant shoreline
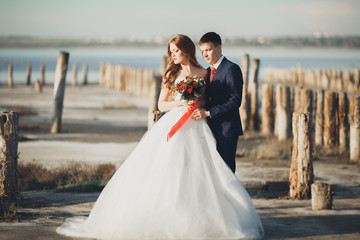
pixel 163 47
pixel 336 42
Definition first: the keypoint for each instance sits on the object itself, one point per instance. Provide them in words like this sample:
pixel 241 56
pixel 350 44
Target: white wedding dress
pixel 180 189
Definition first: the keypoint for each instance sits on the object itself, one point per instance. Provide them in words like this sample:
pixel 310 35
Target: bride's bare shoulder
pixel 201 72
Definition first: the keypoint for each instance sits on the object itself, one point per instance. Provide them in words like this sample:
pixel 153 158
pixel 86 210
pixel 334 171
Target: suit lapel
pixel 219 70
pixel 208 76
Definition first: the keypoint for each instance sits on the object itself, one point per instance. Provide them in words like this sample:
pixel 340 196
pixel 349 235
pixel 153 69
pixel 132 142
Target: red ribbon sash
pixel 182 120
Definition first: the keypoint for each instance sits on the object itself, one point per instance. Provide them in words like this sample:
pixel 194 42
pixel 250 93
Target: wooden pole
pixel 74 72
pixel 283 112
pixel 8 160
pixel 107 75
pixel 321 196
pixel 59 90
pixel 153 108
pixel 28 74
pixel 330 128
pixel 343 122
pixel 267 109
pixel 144 83
pixel 38 87
pixel 102 68
pixel 245 102
pixel 319 118
pixel 118 77
pixel 112 78
pixel 354 110
pixel 155 93
pixel 163 64
pixel 123 78
pixel 293 176
pixel 306 98
pixel 301 174
pixel 42 73
pixel 356 77
pixel 10 70
pixel 296 99
pixel 253 83
pixel 139 84
pixel 85 72
pixel 245 70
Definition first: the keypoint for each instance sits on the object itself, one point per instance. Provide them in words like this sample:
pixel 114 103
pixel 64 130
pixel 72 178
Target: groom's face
pixel 210 52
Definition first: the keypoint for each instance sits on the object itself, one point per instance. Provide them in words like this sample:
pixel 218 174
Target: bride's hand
pixel 190 102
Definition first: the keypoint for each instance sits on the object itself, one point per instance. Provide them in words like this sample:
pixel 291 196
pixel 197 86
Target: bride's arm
pixel 164 104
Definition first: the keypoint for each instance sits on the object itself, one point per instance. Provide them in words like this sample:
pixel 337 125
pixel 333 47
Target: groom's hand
pixel 199 114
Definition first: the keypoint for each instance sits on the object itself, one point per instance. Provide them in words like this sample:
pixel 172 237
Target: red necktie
pixel 212 73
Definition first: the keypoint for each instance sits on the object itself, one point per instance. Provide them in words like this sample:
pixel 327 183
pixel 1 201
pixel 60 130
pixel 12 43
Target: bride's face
pixel 176 54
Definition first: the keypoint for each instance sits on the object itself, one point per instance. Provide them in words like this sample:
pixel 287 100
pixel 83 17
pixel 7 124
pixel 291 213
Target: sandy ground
pixel 102 125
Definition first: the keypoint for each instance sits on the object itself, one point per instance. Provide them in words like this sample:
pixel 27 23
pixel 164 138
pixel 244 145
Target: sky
pixel 148 18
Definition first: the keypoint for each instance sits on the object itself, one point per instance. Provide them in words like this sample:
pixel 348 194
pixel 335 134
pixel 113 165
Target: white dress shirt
pixel 216 65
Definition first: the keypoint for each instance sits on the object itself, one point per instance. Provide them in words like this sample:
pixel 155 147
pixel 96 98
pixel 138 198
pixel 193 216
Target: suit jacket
pixel 223 99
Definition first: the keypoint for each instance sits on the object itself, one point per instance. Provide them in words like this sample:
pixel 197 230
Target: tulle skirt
pixel 176 189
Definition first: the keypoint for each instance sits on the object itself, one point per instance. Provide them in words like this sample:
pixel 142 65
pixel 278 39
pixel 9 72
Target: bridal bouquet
pixel 191 88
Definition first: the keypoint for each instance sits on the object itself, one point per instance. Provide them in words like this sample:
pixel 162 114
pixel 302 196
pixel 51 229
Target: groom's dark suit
pixel 223 99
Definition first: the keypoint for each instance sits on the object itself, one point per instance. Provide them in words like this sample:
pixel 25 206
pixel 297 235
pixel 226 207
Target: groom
pixel 223 98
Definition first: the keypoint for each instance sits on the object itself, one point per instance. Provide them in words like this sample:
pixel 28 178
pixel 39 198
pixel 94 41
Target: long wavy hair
pixel 187 47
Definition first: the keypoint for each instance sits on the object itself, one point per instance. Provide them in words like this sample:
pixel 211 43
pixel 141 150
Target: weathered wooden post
pixel 133 81
pixel 301 169
pixel 343 122
pixel 42 75
pixel 28 74
pixel 306 98
pixel 127 80
pixel 107 75
pixel 319 118
pixel 85 72
pixel 8 160
pixel 74 71
pixel 324 80
pixel 138 83
pixel 296 99
pixel 38 87
pixel 245 102
pixel 267 109
pixel 122 78
pixel 144 83
pixel 253 83
pixel 117 77
pixel 283 114
pixel 154 112
pixel 163 64
pixel 102 68
pixel 112 79
pixel 59 91
pixel 10 70
pixel 354 110
pixel 321 196
pixel 356 78
pixel 330 119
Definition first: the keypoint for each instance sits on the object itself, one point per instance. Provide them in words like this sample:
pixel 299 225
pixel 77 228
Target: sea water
pixel 150 58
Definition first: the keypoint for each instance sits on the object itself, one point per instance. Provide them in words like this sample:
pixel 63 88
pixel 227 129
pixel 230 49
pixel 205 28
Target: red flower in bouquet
pixel 191 88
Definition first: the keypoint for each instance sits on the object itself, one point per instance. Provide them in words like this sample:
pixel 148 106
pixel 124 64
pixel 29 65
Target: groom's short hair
pixel 212 37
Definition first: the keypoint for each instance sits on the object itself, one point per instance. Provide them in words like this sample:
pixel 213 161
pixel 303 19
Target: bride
pixel 172 189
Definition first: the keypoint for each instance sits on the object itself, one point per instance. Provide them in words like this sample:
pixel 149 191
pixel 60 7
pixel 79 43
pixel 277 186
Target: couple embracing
pixel 183 187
